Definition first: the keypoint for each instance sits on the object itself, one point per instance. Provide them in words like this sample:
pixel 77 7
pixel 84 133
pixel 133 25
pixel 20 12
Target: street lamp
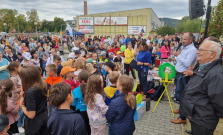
pixel 5 24
pixel 17 22
pixel 36 23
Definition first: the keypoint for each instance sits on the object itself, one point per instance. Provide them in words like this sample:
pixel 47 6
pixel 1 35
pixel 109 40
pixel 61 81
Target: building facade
pixel 122 22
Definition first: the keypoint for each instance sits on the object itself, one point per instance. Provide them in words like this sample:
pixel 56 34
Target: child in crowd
pixel 4 124
pixel 96 107
pixel 79 65
pixel 51 71
pixel 34 101
pixel 44 64
pixel 89 55
pixel 62 119
pixel 8 106
pixel 13 69
pixel 111 56
pixel 109 67
pixel 79 94
pixel 26 59
pixel 122 109
pixel 20 57
pixel 157 56
pixel 67 73
pixel 111 91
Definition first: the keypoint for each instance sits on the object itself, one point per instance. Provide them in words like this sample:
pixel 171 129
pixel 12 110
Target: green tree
pixel 216 20
pixel 187 25
pixel 8 16
pixel 57 24
pixel 167 29
pixel 47 26
pixel 32 17
pixel 21 22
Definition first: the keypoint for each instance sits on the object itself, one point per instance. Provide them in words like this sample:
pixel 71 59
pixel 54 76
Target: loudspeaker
pixel 196 8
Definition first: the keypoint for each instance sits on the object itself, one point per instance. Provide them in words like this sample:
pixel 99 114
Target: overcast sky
pixel 67 9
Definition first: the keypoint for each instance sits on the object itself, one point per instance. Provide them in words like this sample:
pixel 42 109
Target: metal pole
pixel 61 28
pixel 115 29
pixel 5 29
pixel 207 18
pixel 36 33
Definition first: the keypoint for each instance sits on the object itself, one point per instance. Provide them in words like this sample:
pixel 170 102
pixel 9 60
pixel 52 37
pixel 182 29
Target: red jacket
pixel 117 49
pixel 72 83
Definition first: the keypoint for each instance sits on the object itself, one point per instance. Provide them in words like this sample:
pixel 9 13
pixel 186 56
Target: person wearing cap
pixel 4 74
pixel 118 58
pixel 26 59
pixel 101 48
pixel 103 57
pixel 111 56
pixel 4 124
pixel 109 67
pixel 68 73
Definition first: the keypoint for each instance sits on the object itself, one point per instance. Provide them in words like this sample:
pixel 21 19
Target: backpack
pixel 155 93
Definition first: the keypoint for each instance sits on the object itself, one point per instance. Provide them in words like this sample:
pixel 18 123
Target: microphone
pixel 180 44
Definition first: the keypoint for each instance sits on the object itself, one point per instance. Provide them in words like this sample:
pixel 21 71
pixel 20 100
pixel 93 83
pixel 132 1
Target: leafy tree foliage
pixel 166 30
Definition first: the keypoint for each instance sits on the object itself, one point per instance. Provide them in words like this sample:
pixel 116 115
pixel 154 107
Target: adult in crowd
pixel 4 74
pixel 35 58
pixel 50 59
pixel 165 51
pixel 133 41
pixel 129 56
pixel 83 50
pixel 9 55
pixel 201 101
pixel 166 38
pixel 61 46
pixel 144 61
pixel 183 60
pixel 32 44
pixel 41 52
pixel 101 48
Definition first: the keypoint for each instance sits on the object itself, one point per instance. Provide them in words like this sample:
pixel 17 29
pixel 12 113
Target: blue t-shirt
pixel 144 57
pixel 4 74
pixel 78 100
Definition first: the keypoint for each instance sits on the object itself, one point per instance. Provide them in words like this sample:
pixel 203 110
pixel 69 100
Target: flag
pixel 69 29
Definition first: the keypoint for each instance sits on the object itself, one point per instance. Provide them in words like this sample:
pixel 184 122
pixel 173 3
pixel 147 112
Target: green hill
pixel 170 21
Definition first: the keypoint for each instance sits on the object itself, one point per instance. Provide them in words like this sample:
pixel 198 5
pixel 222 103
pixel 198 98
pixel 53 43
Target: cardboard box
pixel 140 111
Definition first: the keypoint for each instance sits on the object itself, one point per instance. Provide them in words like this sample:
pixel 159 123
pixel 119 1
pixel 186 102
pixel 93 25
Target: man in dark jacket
pixel 201 101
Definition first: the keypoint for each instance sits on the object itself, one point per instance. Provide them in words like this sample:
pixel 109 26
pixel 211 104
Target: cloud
pixel 67 9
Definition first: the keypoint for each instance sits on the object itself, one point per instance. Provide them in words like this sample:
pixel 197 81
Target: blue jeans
pixel 180 82
pixel 143 81
pixel 21 117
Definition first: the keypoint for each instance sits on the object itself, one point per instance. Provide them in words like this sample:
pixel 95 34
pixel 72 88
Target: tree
pixel 187 25
pixel 47 26
pixel 57 24
pixel 8 16
pixel 32 17
pixel 216 21
pixel 167 29
pixel 21 22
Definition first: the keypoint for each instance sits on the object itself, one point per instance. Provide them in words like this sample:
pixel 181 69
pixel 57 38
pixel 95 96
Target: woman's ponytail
pixel 130 100
pixel 3 101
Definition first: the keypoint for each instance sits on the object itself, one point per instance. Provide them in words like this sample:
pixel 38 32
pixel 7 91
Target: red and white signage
pixel 85 20
pixel 86 29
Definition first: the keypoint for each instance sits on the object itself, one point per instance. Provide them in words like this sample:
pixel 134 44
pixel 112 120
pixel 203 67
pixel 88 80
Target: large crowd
pixel 42 92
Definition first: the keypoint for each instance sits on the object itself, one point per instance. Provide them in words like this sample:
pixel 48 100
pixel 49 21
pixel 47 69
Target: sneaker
pixel 21 130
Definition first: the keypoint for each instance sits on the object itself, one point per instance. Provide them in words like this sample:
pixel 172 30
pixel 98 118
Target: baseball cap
pixel 103 53
pixel 118 52
pixel 27 55
pixel 110 65
pixel 4 122
pixel 89 60
pixel 66 69
pixel 77 52
pixel 56 46
pixel 111 53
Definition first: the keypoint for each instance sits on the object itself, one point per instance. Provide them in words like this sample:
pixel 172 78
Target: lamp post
pixel 18 22
pixel 5 24
pixel 35 23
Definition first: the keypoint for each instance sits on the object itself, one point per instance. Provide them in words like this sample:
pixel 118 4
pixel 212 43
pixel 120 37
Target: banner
pixel 136 29
pixel 69 29
pixel 85 20
pixel 119 20
pixel 102 20
pixel 86 29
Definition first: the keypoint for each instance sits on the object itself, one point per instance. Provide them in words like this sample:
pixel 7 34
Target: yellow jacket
pixel 129 55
